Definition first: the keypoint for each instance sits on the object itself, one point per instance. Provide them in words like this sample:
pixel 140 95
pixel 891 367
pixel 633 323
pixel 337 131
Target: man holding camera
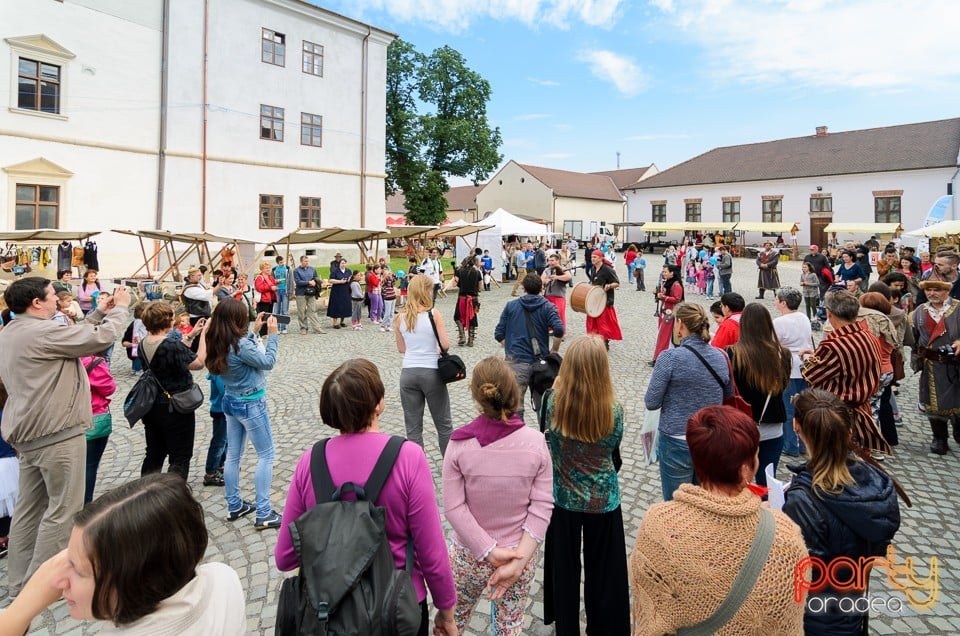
pixel 936 325
pixel 307 290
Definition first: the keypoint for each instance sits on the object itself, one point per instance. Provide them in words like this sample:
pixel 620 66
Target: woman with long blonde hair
pixel 420 381
pixel 584 426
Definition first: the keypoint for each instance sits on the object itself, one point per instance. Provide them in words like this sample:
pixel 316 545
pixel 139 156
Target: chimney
pixel 821 131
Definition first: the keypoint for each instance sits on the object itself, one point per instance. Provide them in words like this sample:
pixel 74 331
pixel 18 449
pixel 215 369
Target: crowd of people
pixel 730 404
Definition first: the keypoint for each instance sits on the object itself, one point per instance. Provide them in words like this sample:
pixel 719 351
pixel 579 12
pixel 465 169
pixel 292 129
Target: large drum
pixel 588 299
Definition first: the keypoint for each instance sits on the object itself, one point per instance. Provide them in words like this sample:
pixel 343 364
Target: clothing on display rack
pixel 64 255
pixel 90 256
pixel 76 258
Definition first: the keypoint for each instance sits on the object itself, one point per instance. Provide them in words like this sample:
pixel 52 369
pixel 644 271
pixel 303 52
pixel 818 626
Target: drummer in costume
pixel 606 325
pixel 767 277
pixel 555 281
pixel 669 293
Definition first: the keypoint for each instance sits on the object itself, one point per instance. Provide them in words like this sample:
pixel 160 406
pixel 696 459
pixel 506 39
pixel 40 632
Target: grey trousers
pixel 419 386
pixel 522 372
pixel 307 313
pixel 51 491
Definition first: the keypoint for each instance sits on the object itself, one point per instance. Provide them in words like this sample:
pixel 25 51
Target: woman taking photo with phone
pixel 234 355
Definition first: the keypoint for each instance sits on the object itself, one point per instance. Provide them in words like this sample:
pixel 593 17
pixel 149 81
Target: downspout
pixel 953 193
pixel 162 144
pixel 203 137
pixel 363 129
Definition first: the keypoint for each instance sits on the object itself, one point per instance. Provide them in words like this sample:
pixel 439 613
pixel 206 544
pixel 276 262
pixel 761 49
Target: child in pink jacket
pixel 102 386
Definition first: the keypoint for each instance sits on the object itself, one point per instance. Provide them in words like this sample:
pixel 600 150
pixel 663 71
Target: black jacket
pixel 859 521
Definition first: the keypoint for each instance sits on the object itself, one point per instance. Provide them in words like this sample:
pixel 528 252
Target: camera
pixel 945 350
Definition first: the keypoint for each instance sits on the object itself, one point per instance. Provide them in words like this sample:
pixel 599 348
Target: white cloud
pixel 621 71
pixel 556 155
pixel 457 15
pixel 656 137
pixel 531 116
pixel 542 82
pixel 874 44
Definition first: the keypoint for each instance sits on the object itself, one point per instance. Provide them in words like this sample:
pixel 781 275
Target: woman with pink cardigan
pixel 351 401
pixel 498 497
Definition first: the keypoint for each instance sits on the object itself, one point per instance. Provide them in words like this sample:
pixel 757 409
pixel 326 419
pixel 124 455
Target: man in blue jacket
pixel 513 333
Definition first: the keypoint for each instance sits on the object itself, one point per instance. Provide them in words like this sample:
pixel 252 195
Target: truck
pixel 583 231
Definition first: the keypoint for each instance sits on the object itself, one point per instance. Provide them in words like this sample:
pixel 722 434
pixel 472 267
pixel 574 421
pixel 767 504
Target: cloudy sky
pixel 660 81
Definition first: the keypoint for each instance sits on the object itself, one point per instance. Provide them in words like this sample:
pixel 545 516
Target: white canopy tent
pixel 486 236
pixel 507 223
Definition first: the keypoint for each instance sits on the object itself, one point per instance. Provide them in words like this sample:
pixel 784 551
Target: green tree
pixel 452 139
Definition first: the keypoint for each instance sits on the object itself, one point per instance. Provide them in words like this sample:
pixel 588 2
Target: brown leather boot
pixel 473 335
pixel 461 337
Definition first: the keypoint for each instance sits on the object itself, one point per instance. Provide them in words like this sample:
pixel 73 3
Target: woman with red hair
pixel 689 551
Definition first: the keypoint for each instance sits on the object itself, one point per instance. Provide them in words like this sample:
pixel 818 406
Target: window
pixel 271 212
pixel 37 206
pixel 731 211
pixel 312 58
pixel 273 47
pixel 271 123
pixel 658 214
pixel 310 212
pixel 772 210
pixel 821 204
pixel 38 86
pixel 311 129
pixel 886 209
pixel 693 213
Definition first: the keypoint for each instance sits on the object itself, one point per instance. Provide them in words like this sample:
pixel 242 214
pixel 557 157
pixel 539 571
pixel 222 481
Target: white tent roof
pixel 511 224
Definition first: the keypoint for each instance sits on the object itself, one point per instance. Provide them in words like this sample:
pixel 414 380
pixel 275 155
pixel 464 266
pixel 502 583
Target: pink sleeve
pixel 456 510
pixel 300 493
pixel 101 381
pixel 423 521
pixel 541 497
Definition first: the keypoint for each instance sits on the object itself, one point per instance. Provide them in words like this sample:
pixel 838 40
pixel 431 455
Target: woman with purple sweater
pixel 499 517
pixel 351 401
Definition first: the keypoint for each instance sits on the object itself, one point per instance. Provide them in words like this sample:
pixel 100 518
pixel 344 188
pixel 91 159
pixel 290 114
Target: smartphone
pixel 281 319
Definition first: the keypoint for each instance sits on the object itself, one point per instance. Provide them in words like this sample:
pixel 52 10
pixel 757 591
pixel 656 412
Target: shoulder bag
pixel 743 584
pixel 186 401
pixel 450 366
pixel 545 367
pixel 735 400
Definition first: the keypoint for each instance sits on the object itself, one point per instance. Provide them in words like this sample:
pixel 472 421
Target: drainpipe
pixel 363 129
pixel 203 137
pixel 953 192
pixel 162 143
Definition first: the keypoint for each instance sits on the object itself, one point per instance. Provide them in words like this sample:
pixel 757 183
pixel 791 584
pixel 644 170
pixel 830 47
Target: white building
pixel 106 125
pixel 880 175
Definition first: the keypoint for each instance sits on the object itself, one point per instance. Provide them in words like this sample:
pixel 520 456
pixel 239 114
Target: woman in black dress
pixel 340 306
pixel 467 278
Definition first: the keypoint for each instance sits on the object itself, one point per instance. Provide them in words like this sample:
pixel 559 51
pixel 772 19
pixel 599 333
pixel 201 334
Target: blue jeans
pixel 710 287
pixel 216 454
pixel 676 466
pixel 725 287
pixel 791 443
pixel 95 448
pixel 282 307
pixel 769 454
pixel 248 417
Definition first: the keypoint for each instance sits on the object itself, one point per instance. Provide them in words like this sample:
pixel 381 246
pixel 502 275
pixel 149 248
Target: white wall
pixel 527 198
pixel 587 209
pixel 853 200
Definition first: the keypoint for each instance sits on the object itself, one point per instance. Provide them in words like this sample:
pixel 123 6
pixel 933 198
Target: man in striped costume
pixel 847 364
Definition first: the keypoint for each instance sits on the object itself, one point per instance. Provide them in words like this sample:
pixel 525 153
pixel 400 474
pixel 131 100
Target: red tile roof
pixel 581 185
pixel 625 177
pixel 925 145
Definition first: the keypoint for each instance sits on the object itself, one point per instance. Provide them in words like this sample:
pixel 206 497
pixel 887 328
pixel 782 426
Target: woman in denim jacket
pixel 237 355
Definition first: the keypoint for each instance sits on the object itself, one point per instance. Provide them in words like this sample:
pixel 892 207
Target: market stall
pixel 769 229
pixel 937 234
pixel 470 236
pixel 365 240
pixel 25 251
pixel 178 247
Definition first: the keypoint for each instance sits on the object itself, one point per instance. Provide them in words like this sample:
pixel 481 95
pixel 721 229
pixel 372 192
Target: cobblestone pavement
pixel 928 529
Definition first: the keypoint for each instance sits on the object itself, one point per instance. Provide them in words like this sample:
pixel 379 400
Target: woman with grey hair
pixel 794 332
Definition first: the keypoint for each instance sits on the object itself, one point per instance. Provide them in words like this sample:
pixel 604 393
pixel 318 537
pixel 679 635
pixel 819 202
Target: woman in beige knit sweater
pixel 690 550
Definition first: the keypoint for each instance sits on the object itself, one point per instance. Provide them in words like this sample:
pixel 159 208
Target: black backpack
pixel 347 583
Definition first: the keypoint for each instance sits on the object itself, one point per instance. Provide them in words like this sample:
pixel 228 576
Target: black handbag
pixel 186 401
pixel 141 397
pixel 545 367
pixel 450 367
